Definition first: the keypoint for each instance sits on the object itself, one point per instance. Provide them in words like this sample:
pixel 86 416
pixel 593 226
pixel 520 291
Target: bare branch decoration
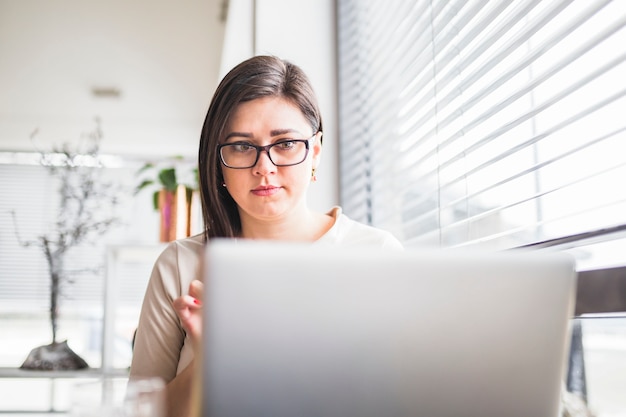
pixel 86 209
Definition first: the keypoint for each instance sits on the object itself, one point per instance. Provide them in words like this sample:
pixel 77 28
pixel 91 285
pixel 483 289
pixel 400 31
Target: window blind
pixel 28 209
pixel 105 278
pixel 494 124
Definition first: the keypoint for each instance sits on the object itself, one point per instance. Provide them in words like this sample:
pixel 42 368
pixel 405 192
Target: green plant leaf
pixel 145 167
pixel 167 177
pixel 143 185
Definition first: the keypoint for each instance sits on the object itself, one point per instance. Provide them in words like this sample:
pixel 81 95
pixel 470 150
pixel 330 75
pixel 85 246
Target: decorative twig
pixel 83 196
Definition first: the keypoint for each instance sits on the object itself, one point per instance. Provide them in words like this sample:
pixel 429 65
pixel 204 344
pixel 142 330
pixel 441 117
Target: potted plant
pixel 85 212
pixel 175 200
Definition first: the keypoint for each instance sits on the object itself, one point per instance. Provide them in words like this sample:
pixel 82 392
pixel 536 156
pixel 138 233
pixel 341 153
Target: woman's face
pixel 265 191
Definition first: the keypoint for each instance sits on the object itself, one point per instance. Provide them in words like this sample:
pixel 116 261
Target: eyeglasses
pixel 284 153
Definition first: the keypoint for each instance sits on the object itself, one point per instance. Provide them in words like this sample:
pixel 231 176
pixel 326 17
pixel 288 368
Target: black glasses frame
pixel 266 149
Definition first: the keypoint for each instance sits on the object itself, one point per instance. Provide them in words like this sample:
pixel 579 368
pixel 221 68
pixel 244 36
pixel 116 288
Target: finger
pixel 196 289
pixel 186 302
pixel 187 311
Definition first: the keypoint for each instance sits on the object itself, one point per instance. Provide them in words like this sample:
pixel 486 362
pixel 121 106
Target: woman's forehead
pixel 267 116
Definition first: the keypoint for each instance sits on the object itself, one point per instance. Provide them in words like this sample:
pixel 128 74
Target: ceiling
pixel 145 68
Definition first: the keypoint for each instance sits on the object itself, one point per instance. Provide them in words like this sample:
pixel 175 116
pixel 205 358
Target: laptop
pixel 296 329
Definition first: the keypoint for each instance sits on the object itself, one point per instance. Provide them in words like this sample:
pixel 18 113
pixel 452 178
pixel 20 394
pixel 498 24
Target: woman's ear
pixel 317 148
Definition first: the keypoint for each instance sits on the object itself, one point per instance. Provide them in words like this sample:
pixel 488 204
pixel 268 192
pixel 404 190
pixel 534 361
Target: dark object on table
pixel 54 357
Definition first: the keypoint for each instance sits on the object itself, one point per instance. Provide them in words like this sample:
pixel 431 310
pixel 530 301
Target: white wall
pixel 162 55
pixel 165 58
pixel 304 33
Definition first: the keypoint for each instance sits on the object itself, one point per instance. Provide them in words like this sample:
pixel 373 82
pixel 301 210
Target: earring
pixel 313 176
pixel 224 184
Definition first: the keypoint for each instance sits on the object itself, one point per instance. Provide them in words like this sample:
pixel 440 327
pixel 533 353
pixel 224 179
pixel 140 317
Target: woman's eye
pixel 285 145
pixel 242 147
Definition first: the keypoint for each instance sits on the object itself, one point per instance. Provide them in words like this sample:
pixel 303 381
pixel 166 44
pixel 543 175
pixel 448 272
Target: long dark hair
pixel 260 76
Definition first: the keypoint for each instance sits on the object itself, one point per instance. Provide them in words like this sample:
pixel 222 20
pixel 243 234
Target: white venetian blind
pixel 491 123
pixel 28 208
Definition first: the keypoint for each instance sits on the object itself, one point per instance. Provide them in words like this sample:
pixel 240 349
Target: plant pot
pixel 175 211
pixel 53 357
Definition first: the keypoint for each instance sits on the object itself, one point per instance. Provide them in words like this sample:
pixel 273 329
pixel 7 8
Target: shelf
pixel 79 373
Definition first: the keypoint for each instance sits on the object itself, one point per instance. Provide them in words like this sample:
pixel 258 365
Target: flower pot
pixel 53 357
pixel 175 211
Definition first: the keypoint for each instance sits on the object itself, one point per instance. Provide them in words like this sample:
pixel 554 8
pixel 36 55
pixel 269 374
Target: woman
pixel 260 146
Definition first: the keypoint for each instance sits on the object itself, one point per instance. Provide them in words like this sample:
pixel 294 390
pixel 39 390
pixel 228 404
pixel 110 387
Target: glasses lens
pixel 289 152
pixel 239 155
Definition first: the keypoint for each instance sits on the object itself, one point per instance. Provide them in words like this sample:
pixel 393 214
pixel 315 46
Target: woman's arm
pixel 160 349
pixel 180 391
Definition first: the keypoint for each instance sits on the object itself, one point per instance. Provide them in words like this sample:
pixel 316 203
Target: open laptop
pixel 306 330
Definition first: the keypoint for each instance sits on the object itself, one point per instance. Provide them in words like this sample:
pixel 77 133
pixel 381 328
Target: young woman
pixel 259 150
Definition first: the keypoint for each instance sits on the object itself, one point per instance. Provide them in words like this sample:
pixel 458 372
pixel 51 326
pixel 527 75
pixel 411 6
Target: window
pixel 31 194
pixel 105 277
pixel 488 124
pixel 492 124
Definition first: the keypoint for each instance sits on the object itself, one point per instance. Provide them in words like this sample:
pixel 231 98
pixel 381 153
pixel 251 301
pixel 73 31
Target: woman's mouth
pixel 266 190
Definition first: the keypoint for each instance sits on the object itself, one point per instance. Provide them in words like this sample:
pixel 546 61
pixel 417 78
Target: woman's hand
pixel 182 389
pixel 189 310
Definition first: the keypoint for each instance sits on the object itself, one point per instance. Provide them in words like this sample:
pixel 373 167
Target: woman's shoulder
pixel 189 246
pixel 180 262
pixel 347 231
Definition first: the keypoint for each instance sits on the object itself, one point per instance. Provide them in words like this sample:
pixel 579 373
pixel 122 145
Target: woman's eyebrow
pixel 278 132
pixel 238 134
pixel 274 132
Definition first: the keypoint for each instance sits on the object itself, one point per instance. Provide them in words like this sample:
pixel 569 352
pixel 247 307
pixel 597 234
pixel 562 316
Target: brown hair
pixel 260 76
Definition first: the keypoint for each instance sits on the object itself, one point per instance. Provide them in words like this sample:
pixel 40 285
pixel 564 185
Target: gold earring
pixel 313 176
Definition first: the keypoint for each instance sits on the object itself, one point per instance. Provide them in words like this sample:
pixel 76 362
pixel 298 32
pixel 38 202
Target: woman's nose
pixel 264 164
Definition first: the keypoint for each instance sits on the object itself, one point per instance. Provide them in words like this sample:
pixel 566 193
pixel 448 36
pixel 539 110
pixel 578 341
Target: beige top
pixel 161 346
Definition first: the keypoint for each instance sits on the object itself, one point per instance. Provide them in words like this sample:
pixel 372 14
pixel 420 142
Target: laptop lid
pixel 307 330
